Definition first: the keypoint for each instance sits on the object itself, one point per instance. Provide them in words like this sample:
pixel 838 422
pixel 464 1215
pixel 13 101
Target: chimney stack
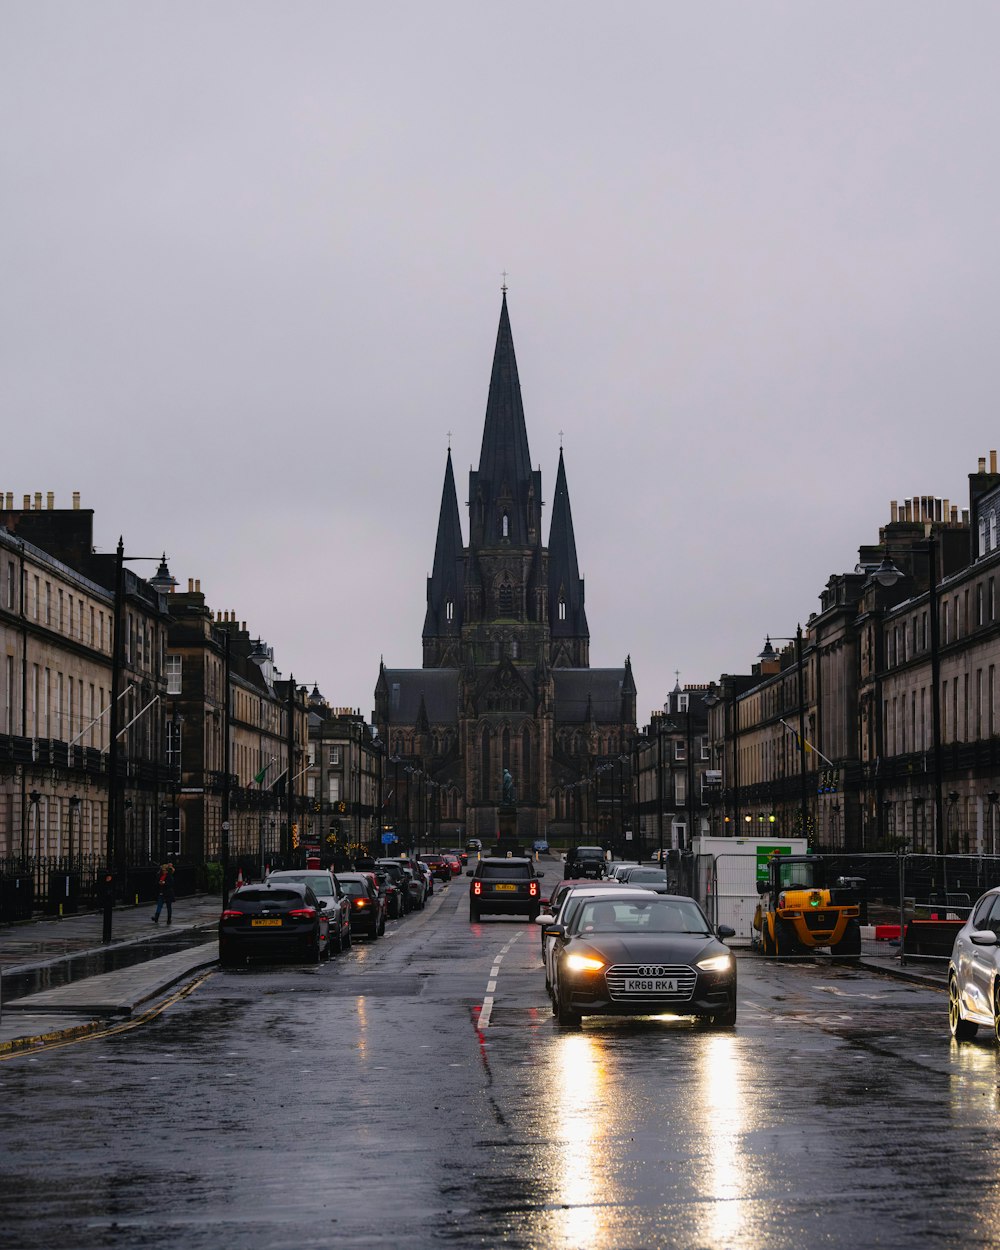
pixel 197 585
pixel 50 500
pixel 982 464
pixel 38 501
pixel 76 501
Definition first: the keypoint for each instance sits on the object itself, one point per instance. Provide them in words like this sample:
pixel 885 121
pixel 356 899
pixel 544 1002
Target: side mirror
pixel 544 918
pixel 762 887
pixel 470 872
pixel 725 931
pixel 983 937
pixel 554 930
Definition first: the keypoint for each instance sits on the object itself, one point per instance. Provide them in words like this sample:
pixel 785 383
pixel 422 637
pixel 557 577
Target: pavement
pixel 60 960
pixel 69 995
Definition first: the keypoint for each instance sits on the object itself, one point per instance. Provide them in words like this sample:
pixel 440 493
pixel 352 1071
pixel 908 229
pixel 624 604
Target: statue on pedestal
pixel 508 788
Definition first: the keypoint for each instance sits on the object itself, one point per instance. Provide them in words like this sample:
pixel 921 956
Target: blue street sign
pixel 388 839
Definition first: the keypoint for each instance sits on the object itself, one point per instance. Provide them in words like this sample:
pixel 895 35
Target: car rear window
pixel 647 874
pixel 508 872
pixel 269 895
pixel 353 889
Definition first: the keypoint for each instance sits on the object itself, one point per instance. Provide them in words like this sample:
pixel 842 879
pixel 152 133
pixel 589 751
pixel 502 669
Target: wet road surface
pixel 371 1102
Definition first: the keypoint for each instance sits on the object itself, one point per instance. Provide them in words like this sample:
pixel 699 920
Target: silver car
pixel 974 971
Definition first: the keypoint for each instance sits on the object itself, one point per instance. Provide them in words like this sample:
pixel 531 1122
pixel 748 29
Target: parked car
pixel 463 855
pixel 368 906
pixel 453 862
pixel 654 879
pixel 638 953
pixel 974 972
pixel 566 898
pixel 439 867
pixel 474 844
pixel 285 918
pixel 336 904
pixel 416 884
pixel 400 900
pixel 584 861
pixel 428 877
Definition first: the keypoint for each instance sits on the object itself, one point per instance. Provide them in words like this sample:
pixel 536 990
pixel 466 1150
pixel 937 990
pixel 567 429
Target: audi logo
pixel 651 970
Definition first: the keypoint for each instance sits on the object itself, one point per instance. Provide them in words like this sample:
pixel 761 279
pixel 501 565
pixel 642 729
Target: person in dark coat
pixel 165 893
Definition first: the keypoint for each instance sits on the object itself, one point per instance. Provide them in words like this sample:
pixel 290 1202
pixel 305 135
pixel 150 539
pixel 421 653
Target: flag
pixel 259 777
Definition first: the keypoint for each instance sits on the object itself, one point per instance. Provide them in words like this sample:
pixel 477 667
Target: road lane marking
pixel 486 1011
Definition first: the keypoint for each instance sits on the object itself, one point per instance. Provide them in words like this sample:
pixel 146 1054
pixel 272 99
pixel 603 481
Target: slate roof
pixel 576 689
pixel 437 687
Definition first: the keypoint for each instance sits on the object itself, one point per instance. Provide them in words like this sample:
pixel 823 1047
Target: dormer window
pixel 505 526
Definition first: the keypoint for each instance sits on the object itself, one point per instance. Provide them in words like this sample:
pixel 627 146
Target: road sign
pixel 388 839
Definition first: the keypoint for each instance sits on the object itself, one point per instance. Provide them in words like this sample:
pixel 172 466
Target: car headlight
pixel 716 963
pixel 583 963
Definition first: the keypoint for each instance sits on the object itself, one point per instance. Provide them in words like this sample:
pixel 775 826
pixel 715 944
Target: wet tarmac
pixel 369 1102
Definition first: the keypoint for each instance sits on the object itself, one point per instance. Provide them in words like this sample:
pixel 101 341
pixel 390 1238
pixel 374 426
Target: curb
pixel 904 974
pixel 74 1032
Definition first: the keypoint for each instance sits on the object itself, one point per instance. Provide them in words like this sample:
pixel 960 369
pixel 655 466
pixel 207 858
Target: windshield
pixel 657 915
pixel 646 874
pixel 801 876
pixel 318 882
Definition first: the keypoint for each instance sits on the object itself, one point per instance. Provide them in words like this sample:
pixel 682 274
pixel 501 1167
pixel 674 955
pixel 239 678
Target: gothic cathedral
pixel 506 681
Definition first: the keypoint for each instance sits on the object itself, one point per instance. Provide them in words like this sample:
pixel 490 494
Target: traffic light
pixel 295 836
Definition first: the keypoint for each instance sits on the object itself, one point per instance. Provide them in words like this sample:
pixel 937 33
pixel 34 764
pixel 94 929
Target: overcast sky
pixel 251 259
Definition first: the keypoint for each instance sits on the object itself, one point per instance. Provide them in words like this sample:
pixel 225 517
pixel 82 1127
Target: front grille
pixel 684 975
pixel 820 919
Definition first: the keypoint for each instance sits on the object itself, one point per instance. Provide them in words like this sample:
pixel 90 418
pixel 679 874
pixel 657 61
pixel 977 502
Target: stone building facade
pixel 506 681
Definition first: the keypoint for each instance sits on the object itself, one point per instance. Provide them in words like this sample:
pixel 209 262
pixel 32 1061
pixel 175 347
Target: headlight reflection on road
pixel 579 1126
pixel 724 1121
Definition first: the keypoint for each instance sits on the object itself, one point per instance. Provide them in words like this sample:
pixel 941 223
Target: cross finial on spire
pixel 560 440
pixel 504 287
pixel 449 440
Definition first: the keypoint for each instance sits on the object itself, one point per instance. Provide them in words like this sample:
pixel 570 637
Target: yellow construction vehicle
pixel 800 913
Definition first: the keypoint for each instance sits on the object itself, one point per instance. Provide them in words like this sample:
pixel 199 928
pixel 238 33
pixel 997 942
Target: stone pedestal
pixel 507 840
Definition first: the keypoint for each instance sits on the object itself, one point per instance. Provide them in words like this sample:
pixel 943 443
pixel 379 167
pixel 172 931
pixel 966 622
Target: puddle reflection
pixel 578 1129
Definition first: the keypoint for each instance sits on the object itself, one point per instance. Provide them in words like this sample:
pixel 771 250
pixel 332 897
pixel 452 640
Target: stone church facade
pixel 506 680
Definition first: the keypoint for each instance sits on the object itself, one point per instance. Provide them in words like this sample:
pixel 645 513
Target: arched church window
pixel 506 748
pixel 525 760
pixel 449 611
pixel 562 608
pixel 505 599
pixel 484 780
pixel 505 526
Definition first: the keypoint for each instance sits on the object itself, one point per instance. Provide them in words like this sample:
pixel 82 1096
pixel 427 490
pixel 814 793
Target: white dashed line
pixel 486 1010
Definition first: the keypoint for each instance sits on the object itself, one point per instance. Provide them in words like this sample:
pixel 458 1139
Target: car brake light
pixel 303 913
pixel 533 888
pixel 232 915
pixel 359 902
pixel 477 887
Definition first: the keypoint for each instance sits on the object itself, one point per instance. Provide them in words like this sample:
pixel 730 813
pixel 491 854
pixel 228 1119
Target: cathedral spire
pixel 504 491
pixel 446 584
pixel 567 616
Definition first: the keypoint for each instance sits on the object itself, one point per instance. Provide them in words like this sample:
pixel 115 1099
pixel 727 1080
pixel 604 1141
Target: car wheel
pixel 565 1015
pixel 229 960
pixel 849 946
pixel 381 928
pixel 533 915
pixel 996 1012
pixel 785 943
pixel 314 952
pixel 766 945
pixel 962 1030
pixel 346 939
pixel 726 1019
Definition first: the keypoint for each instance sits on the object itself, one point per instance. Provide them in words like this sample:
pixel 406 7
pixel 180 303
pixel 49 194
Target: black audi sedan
pixel 285 918
pixel 640 955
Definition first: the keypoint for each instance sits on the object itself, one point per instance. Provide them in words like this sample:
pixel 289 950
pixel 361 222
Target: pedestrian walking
pixel 165 893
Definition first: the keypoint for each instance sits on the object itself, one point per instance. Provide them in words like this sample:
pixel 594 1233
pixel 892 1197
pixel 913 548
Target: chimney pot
pixel 38 501
pixel 894 510
pixel 197 585
pixel 76 501
pixel 993 462
pixel 982 464
pixel 50 500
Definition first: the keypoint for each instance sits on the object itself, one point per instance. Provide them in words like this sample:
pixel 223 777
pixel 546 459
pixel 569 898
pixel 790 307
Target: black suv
pixel 504 886
pixel 584 861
